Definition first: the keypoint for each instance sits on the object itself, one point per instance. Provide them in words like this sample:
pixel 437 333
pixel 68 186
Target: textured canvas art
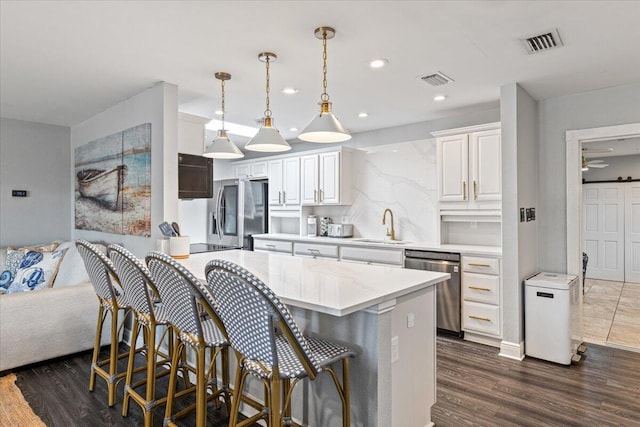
pixel 113 183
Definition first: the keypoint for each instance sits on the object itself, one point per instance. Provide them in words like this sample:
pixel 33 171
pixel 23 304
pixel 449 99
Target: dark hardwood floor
pixel 476 387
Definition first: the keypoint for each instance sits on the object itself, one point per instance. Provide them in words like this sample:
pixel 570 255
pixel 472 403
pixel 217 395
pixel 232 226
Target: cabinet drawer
pixel 484 265
pixel 482 318
pixel 481 288
pixel 272 245
pixel 371 255
pixel 315 250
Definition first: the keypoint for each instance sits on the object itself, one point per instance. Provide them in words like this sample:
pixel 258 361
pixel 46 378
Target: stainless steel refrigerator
pixel 237 212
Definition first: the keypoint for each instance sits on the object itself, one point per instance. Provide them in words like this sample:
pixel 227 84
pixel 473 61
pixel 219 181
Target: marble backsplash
pixel 399 176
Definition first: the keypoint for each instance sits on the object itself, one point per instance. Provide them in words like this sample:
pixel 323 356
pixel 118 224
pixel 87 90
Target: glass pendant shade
pixel 222 148
pixel 325 128
pixel 268 139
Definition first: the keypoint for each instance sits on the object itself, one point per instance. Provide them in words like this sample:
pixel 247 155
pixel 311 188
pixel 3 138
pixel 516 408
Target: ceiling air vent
pixel 437 79
pixel 542 42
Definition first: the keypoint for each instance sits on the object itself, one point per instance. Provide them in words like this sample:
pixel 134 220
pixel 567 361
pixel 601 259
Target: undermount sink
pixel 386 242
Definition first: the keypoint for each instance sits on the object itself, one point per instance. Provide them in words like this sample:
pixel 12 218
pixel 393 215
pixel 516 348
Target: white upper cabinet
pixel 284 181
pixel 470 167
pixel 252 170
pixel 453 156
pixel 326 178
pixel 485 165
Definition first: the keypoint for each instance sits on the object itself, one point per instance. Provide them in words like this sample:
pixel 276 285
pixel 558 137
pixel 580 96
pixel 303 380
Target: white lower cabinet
pixel 315 250
pixel 373 256
pixel 481 297
pixel 266 245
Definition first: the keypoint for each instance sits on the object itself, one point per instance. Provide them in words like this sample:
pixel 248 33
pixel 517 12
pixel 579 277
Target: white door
pixel 309 180
pixel 275 182
pixel 453 172
pixel 485 170
pixel 291 181
pixel 632 232
pixel 603 230
pixel 329 188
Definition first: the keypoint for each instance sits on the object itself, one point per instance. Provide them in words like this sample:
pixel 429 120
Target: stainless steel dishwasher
pixel 448 293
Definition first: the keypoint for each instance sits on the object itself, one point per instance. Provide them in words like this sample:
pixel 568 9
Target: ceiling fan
pixel 586 164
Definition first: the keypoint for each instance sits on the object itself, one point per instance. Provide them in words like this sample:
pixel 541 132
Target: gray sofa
pixel 57 321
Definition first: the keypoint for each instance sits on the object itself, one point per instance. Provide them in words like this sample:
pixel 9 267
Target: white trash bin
pixel 553 320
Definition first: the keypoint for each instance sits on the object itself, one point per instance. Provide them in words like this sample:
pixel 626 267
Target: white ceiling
pixel 63 62
pixel 618 147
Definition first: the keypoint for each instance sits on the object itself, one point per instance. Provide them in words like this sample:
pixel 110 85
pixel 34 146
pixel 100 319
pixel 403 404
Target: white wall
pixel 622 166
pixel 157 105
pixel 34 157
pixel 605 107
pixel 519 190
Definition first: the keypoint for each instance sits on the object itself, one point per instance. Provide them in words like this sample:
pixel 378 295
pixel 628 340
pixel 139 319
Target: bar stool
pixel 112 301
pixel 268 343
pixel 185 308
pixel 149 314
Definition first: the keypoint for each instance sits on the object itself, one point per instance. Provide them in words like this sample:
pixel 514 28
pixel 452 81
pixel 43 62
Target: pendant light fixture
pixel 268 138
pixel 222 147
pixel 325 127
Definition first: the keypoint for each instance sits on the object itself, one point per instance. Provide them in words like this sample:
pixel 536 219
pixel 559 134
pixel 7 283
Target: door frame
pixel 574 139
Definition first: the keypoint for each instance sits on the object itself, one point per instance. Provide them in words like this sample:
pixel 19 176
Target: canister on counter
pixel 324 225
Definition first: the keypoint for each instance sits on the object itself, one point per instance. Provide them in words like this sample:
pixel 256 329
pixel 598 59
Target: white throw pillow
pixel 72 270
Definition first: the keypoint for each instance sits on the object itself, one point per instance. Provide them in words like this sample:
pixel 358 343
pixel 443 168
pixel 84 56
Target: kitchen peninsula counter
pixel 387 314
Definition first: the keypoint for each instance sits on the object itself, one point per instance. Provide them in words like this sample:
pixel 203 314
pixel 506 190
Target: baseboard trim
pixel 482 339
pixel 512 350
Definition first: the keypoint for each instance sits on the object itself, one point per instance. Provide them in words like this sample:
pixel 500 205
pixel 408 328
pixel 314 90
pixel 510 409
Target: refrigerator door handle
pixel 219 218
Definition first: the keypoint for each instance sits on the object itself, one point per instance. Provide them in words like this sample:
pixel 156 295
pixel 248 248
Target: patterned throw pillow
pixel 13 260
pixel 37 271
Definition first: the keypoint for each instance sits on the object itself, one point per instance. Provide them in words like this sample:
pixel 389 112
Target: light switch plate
pixel 395 349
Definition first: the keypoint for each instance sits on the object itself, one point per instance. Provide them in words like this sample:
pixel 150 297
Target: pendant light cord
pixel 325 95
pixel 267 112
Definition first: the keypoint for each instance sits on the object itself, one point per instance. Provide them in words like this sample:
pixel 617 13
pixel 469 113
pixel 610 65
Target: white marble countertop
pixel 326 286
pixel 357 241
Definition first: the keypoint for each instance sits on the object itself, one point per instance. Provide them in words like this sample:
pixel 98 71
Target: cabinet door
pixel 309 180
pixel 329 176
pixel 243 171
pixel 275 182
pixel 291 181
pixel 259 170
pixel 453 172
pixel 485 166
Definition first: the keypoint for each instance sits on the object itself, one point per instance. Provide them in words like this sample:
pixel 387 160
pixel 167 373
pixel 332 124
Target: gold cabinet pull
pixel 475 264
pixel 475 193
pixel 479 289
pixel 484 319
pixel 464 190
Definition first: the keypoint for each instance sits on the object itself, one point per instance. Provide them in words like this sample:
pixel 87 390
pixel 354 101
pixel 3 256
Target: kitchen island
pixel 386 314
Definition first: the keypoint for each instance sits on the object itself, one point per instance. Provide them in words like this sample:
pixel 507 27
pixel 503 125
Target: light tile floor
pixel 611 313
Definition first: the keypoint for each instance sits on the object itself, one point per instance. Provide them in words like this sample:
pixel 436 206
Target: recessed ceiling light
pixel 363 114
pixel 293 129
pixel 439 98
pixel 218 112
pixel 378 63
pixel 289 90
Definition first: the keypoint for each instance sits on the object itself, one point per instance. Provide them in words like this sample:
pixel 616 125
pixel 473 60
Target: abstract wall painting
pixel 113 183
